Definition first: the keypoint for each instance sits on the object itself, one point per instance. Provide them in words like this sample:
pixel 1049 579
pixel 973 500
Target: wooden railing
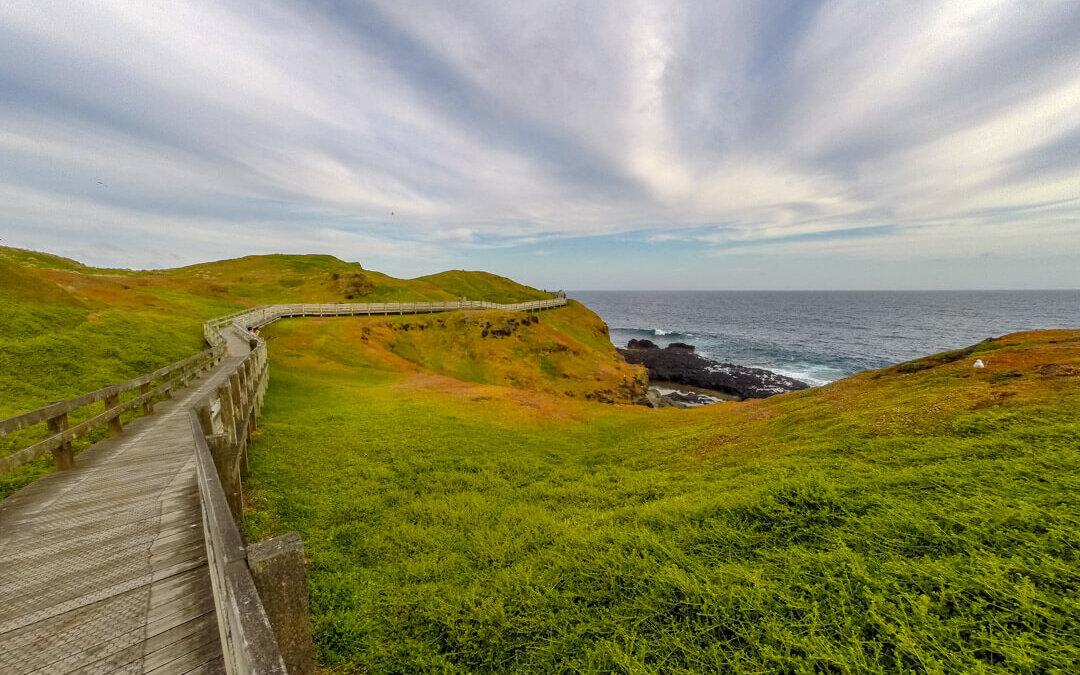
pixel 222 423
pixel 160 383
pixel 264 314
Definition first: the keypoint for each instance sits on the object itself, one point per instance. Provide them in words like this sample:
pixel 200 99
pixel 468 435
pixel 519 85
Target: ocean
pixel 821 336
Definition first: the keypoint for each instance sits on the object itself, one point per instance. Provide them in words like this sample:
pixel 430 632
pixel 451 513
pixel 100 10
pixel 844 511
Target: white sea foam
pixel 815 377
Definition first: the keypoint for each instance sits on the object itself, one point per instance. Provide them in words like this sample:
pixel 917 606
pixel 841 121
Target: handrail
pixel 55 415
pixel 247 638
pixel 261 315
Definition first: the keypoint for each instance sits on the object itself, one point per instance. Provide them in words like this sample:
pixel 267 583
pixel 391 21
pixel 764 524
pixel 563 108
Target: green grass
pixel 464 532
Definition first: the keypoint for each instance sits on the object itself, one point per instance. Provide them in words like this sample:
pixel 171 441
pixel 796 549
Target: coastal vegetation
pixel 471 500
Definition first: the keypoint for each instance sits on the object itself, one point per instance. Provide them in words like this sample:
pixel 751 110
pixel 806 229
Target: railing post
pixel 237 402
pixel 169 382
pixel 116 427
pixel 277 568
pixel 206 420
pixel 63 456
pixel 242 462
pixel 225 396
pixel 224 454
pixel 241 386
pixel 148 404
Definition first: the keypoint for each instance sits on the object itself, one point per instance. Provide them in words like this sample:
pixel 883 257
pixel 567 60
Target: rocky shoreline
pixel 678 364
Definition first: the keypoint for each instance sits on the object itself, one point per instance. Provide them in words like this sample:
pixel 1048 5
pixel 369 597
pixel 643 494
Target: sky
pixel 588 145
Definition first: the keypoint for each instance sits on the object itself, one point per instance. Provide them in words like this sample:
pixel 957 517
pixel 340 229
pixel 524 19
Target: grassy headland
pixel 921 518
pixel 562 351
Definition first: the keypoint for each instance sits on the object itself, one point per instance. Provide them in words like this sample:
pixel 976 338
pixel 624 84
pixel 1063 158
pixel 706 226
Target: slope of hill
pixel 922 518
pixel 564 351
pixel 323 278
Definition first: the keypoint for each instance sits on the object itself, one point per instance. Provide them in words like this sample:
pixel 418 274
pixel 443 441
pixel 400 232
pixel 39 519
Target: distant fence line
pixel 222 424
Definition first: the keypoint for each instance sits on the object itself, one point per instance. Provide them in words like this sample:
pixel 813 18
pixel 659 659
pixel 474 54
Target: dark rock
pixel 681 345
pixel 685 367
pixel 655 399
pixel 690 398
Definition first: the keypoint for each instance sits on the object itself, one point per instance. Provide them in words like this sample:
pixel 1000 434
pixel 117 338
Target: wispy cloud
pixel 411 135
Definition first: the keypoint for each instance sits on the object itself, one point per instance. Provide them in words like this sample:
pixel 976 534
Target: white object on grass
pixel 979 363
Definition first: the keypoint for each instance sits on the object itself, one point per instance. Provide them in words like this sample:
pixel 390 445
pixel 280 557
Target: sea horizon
pixel 821 336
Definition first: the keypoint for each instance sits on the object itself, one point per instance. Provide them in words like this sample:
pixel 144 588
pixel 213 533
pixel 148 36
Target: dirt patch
pixel 519 403
pixel 1057 370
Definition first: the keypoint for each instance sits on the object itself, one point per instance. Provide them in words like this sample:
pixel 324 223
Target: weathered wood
pixel 277 568
pixel 29 419
pixel 115 426
pixel 206 419
pixel 62 454
pixel 246 636
pixel 39 449
pixel 235 400
pixel 224 395
pixel 223 451
pixel 148 401
pixel 243 463
pixel 105 567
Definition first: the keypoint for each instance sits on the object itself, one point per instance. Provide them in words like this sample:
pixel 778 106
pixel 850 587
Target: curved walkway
pixel 103 567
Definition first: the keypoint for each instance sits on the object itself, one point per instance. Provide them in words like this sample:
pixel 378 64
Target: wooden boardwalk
pixel 106 568
pixel 103 568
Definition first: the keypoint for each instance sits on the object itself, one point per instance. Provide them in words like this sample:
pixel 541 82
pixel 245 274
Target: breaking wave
pixel 651 332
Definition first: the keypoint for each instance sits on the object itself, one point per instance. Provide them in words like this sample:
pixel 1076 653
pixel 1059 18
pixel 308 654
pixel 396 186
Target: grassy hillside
pixel 322 278
pixel 564 351
pixel 924 518
pixel 66 328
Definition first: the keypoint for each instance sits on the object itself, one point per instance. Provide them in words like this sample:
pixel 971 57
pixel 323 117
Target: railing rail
pixel 222 423
pixel 264 314
pixel 55 415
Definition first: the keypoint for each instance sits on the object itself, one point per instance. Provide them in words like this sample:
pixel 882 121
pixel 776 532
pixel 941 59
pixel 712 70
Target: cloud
pixel 418 133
